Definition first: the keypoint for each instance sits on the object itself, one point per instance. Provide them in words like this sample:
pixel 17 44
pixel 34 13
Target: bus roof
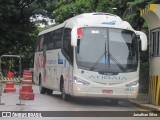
pixel 51 29
pixel 94 19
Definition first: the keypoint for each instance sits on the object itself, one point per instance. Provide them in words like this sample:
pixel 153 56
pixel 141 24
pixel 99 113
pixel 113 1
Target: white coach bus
pixel 89 55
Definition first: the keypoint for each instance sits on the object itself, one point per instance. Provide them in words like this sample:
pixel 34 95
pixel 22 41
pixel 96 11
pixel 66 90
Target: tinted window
pixel 51 40
pixel 107 50
pixel 56 39
pixel 68 49
pixel 155 44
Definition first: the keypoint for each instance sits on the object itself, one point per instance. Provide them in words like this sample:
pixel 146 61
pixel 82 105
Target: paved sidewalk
pixel 143 102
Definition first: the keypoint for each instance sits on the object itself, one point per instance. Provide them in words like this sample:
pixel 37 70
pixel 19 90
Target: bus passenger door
pixel 67 51
pixel 67 76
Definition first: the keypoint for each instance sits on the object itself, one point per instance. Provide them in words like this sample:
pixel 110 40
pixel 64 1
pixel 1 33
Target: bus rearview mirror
pixel 143 39
pixel 74 37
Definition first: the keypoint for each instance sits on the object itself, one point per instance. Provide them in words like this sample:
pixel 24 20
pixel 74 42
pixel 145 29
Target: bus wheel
pixel 42 89
pixel 64 96
pixel 49 91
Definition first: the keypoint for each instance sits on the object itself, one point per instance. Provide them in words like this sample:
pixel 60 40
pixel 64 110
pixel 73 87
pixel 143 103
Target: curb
pixel 149 107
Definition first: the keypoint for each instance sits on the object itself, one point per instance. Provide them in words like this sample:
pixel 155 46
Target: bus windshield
pixel 107 50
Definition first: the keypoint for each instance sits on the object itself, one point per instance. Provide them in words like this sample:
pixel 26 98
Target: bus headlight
pixel 80 81
pixel 133 84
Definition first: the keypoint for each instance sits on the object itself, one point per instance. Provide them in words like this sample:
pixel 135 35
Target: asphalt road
pixel 44 102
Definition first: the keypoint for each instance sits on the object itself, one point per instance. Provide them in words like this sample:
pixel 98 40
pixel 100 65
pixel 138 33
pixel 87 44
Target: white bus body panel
pixel 56 65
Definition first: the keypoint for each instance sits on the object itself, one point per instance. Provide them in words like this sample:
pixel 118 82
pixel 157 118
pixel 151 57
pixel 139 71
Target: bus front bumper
pixel 105 92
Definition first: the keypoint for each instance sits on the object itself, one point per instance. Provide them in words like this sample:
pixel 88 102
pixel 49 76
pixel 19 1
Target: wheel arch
pixel 61 82
pixel 40 80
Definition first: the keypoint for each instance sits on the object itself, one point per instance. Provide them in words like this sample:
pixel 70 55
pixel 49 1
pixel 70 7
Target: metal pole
pixel 20 67
pixel 0 102
pixel 1 90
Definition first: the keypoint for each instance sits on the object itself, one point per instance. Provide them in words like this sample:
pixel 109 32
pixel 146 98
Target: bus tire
pixel 41 89
pixel 64 96
pixel 49 91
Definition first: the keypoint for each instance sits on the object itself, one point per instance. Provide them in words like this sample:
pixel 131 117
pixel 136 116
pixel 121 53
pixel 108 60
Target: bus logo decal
pixel 60 61
pixel 115 78
pixel 110 23
pixel 107 77
pixel 124 78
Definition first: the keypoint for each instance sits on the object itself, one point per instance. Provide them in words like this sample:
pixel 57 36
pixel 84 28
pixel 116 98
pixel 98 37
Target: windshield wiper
pixel 117 63
pixel 98 61
pixel 104 54
pixel 110 56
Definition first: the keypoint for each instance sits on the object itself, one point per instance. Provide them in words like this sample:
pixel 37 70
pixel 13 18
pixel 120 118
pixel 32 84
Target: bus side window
pixel 68 49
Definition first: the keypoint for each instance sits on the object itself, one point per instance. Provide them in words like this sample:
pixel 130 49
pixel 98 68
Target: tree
pixel 17 31
pixel 66 9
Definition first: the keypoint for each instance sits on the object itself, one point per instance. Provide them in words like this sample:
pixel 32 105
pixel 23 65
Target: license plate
pixel 107 91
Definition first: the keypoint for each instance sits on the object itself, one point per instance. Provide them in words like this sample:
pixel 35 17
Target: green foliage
pixel 65 9
pixel 135 2
pixel 70 9
pixel 17 32
pixel 106 5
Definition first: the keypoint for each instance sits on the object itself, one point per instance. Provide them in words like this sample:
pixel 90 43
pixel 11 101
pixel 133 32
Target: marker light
pixel 79 33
